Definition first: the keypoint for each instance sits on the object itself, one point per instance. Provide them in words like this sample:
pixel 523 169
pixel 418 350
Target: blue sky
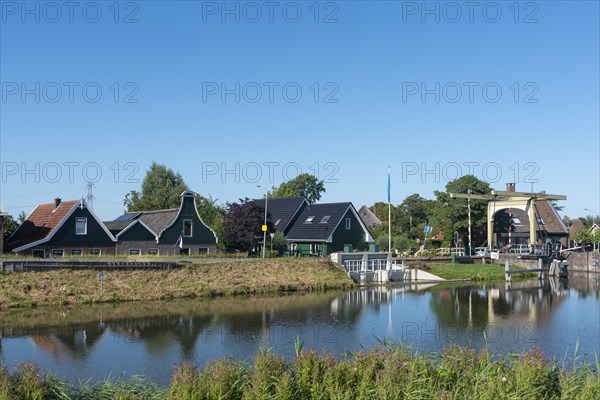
pixel 213 93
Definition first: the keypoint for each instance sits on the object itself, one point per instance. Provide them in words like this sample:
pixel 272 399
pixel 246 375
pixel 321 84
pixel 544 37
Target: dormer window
pixel 309 220
pixel 81 226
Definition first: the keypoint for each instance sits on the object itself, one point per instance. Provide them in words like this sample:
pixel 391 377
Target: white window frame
pixel 77 221
pixel 325 219
pixel 277 222
pixel 95 255
pixel 203 250
pixel 309 220
pixel 131 252
pixel 191 221
pixel 153 249
pixel 348 224
pixel 54 251
pixel 79 250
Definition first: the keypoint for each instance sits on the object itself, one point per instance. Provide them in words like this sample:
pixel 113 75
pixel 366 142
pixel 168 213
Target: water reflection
pixel 147 338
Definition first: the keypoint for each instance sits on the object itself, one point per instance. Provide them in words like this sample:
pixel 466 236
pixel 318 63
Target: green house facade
pixel 322 229
pixel 60 229
pixel 154 233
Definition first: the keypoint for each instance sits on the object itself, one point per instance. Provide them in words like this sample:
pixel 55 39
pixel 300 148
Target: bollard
pixel 507 274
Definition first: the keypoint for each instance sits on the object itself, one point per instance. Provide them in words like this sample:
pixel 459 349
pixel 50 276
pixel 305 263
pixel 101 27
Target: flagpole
pixel 389 213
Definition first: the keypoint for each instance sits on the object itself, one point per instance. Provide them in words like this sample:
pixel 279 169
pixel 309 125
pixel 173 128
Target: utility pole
pixel 90 195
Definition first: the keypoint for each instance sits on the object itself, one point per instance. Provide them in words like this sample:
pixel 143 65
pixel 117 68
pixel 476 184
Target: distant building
pixel 2 215
pixel 326 228
pixel 368 217
pixel 153 233
pixel 550 226
pixel 575 227
pixel 62 228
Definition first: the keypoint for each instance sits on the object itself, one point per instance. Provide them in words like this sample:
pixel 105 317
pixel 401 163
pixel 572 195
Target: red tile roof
pixel 41 223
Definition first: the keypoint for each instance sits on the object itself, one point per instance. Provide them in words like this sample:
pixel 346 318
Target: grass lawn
pixel 476 272
pixel 61 287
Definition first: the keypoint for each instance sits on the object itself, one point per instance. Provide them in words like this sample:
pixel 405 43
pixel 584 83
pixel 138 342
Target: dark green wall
pixel 201 233
pixel 137 233
pixel 355 235
pixel 96 236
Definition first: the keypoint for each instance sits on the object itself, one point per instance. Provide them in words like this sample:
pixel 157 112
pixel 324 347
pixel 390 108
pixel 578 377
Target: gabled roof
pixel 41 223
pixel 368 217
pixel 283 210
pixel 158 220
pixel 44 221
pixel 552 223
pixel 116 226
pixel 325 219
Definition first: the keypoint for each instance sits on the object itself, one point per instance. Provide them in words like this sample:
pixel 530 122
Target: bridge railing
pixel 355 266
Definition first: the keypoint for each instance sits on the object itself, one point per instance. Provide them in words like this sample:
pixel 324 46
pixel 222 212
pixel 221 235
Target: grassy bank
pixel 63 287
pixel 390 373
pixel 474 272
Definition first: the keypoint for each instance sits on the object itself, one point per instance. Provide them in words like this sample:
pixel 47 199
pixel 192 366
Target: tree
pixel 161 189
pixel 10 225
pixel 242 226
pixel 22 217
pixel 305 185
pixel 452 215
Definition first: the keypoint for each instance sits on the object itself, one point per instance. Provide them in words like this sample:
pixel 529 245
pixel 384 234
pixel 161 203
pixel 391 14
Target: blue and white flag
pixel 180 241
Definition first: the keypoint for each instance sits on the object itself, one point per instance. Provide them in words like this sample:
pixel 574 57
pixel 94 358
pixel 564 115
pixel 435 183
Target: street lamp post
pixel 265 224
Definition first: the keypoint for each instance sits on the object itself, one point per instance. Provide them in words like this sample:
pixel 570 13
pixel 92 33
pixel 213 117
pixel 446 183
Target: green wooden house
pixel 62 228
pixel 153 233
pixel 322 229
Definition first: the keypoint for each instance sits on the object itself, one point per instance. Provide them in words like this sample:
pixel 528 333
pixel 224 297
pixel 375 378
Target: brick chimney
pixel 510 187
pixel 57 202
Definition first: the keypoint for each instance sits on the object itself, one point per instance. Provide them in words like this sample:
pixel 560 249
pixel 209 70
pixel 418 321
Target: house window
pixel 188 228
pixel 183 252
pixel 152 252
pixel 95 252
pixel 57 252
pixel 38 253
pixel 314 248
pixel 81 226
pixel 516 221
pixel 76 252
pixel 277 222
pixel 325 219
pixel 309 220
pixel 203 250
pixel 540 221
pixel 348 224
pixel 135 252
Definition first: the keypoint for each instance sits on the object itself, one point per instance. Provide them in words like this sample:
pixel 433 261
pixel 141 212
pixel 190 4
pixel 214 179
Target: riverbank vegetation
pixel 473 272
pixel 62 287
pixel 391 372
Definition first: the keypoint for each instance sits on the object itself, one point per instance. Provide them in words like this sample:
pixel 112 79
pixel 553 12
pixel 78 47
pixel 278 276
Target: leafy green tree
pixel 10 225
pixel 242 226
pixel 306 185
pixel 22 217
pixel 452 215
pixel 161 189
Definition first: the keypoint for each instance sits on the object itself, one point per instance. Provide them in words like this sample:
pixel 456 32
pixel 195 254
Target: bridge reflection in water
pixel 147 338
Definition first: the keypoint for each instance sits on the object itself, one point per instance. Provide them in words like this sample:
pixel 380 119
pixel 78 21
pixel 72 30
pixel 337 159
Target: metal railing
pixel 369 266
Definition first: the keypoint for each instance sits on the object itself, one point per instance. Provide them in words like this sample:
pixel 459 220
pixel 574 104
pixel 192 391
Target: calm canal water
pixel 148 338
